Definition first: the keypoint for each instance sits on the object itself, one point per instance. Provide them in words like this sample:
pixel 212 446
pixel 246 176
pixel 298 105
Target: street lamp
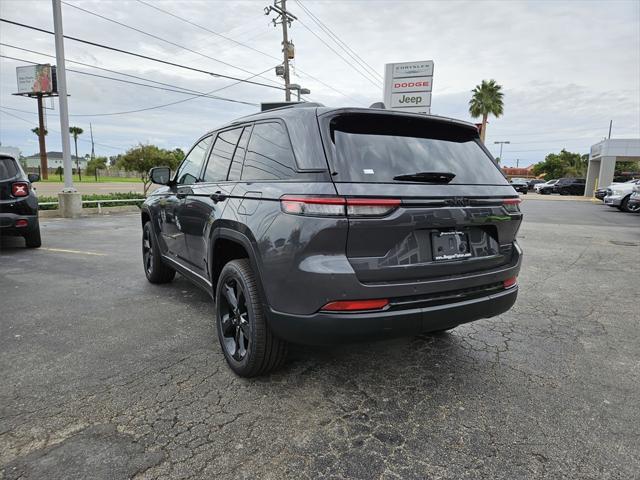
pixel 299 89
pixel 506 142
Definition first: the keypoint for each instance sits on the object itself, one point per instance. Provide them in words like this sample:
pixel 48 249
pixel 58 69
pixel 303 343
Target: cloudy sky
pixel 567 67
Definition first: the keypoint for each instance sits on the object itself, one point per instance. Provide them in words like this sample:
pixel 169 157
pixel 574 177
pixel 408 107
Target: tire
pixel 525 192
pixel 154 268
pixel 564 192
pixel 33 239
pixel 247 342
pixel 624 205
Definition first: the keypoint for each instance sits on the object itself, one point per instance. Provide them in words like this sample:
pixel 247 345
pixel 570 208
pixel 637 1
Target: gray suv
pixel 316 225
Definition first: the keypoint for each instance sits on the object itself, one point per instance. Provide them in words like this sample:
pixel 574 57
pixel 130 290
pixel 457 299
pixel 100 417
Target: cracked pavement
pixel 106 376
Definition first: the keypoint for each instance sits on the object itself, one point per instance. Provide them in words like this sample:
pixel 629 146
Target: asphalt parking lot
pixel 106 376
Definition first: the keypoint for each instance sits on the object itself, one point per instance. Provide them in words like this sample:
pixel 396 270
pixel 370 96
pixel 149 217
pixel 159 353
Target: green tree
pixel 37 131
pixel 563 164
pixel 486 100
pixel 99 163
pixel 143 158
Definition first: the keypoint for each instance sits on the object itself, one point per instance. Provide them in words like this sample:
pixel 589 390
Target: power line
pixel 200 94
pixel 345 47
pixel 2 110
pixel 350 64
pixel 139 55
pixel 157 37
pixel 206 29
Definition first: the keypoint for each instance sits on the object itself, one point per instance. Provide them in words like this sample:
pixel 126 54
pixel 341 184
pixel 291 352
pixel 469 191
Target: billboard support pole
pixel 44 170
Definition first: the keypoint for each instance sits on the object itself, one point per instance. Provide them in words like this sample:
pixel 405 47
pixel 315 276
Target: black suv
pixel 570 186
pixel 316 225
pixel 18 202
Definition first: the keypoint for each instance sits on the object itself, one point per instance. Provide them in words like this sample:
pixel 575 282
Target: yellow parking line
pixel 64 250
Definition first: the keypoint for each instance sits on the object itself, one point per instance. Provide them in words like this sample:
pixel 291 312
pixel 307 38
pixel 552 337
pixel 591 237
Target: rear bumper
pixel 8 224
pixel 327 328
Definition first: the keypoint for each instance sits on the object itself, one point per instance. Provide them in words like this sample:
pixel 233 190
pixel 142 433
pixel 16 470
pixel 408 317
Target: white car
pixel 549 183
pixel 619 194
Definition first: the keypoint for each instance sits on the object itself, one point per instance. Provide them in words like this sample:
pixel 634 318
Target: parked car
pixel 316 225
pixel 520 185
pixel 634 200
pixel 18 202
pixel 545 188
pixel 600 193
pixel 619 195
pixel 534 182
pixel 570 186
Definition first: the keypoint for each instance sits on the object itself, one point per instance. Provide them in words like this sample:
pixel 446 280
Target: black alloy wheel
pixel 248 344
pixel 234 320
pixel 154 268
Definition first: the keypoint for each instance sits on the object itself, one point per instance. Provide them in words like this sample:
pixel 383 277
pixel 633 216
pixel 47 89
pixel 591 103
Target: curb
pixel 92 211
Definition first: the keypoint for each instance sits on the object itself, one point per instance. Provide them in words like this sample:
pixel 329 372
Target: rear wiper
pixel 432 177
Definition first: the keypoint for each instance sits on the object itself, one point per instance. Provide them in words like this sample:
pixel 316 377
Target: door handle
pixel 181 195
pixel 218 197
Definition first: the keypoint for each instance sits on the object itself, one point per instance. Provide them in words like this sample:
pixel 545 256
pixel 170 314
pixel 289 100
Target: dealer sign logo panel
pixel 408 86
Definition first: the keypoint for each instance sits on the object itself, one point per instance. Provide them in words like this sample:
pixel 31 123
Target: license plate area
pixel 450 245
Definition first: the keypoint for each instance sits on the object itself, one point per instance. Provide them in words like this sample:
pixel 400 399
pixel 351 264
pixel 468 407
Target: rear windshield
pixel 377 148
pixel 8 168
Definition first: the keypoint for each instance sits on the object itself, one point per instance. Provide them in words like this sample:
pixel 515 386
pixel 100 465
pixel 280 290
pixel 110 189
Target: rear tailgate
pixel 438 230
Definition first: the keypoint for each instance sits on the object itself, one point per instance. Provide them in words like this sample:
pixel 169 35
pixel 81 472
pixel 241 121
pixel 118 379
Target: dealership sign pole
pixel 408 86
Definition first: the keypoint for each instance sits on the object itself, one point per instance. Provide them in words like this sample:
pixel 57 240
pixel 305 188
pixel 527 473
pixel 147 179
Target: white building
pixel 603 158
pixel 54 160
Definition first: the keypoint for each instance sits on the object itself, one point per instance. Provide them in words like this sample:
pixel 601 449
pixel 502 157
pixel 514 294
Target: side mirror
pixel 33 177
pixel 160 175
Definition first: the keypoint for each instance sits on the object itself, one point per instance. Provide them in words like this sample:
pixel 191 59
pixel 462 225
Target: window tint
pixel 192 164
pixel 269 155
pixel 221 154
pixel 8 168
pixel 377 148
pixel 238 157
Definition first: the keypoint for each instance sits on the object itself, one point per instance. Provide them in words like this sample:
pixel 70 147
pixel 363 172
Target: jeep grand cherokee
pixel 316 225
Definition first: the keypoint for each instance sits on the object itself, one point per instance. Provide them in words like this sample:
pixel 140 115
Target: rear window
pixel 377 148
pixel 8 168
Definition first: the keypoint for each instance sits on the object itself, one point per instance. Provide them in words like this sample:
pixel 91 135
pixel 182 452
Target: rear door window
pixel 269 154
pixel 236 164
pixel 8 168
pixel 376 148
pixel 221 155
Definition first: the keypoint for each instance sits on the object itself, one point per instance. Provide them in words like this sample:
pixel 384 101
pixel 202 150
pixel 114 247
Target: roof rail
pixel 282 105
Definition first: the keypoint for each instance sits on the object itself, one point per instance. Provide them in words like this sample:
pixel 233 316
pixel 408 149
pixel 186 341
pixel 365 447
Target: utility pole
pixel 501 144
pixel 93 153
pixel 284 18
pixel 69 200
pixel 610 125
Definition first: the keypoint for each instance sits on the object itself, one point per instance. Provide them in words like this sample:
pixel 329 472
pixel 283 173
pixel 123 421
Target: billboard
pixel 408 86
pixel 36 79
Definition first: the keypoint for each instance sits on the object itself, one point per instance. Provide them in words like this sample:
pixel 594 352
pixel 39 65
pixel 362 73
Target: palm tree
pixel 75 131
pixel 486 99
pixel 37 131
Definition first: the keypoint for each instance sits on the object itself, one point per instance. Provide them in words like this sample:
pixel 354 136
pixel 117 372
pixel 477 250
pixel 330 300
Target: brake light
pixel 20 189
pixel 510 282
pixel 337 206
pixel 22 223
pixel 355 305
pixel 511 205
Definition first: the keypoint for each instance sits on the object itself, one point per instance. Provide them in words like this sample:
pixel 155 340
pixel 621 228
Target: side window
pixel 221 154
pixel 192 164
pixel 238 157
pixel 269 154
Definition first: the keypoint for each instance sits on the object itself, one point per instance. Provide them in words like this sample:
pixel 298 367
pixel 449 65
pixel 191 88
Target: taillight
pixel 20 189
pixel 22 223
pixel 355 305
pixel 510 282
pixel 337 206
pixel 365 207
pixel 511 205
